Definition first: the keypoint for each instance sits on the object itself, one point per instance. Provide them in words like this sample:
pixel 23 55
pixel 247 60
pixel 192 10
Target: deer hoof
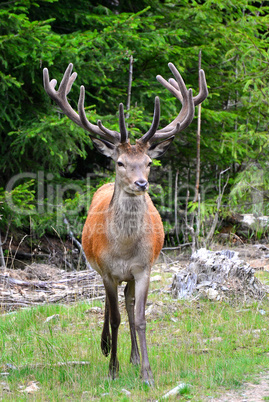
pixel 106 345
pixel 148 383
pixel 114 369
pixel 135 359
pixel 147 378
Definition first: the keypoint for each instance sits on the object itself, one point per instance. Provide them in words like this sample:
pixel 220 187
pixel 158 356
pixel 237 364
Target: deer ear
pixel 104 147
pixel 157 150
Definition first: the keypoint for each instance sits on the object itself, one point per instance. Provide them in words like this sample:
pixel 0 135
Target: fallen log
pixel 217 275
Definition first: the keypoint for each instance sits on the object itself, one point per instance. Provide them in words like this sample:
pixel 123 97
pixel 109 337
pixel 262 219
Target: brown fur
pixel 95 240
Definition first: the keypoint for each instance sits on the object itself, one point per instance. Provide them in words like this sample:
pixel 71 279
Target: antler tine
pixel 67 81
pixel 178 124
pixel 173 82
pixel 110 135
pixel 70 83
pixel 155 122
pixel 60 97
pixel 203 90
pixel 102 131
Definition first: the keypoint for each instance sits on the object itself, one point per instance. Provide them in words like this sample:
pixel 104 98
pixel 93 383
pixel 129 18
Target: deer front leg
pixel 141 293
pixel 114 315
pixel 129 293
pixel 106 338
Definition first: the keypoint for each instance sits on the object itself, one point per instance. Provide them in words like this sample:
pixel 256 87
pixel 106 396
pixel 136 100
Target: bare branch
pixel 216 218
pixel 79 245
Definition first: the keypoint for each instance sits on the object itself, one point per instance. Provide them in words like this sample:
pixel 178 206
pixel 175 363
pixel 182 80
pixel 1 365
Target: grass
pixel 263 276
pixel 209 346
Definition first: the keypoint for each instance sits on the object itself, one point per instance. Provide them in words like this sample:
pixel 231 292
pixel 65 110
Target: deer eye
pixel 120 164
pixel 150 163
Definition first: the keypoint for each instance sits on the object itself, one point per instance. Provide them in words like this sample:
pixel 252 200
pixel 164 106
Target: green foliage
pixel 206 209
pixel 98 38
pixel 250 190
pixel 22 198
pixel 42 203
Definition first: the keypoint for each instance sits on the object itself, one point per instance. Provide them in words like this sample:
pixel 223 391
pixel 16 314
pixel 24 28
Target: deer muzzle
pixel 142 185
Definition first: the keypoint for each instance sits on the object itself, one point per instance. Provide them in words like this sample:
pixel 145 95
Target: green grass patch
pixel 208 346
pixel 263 276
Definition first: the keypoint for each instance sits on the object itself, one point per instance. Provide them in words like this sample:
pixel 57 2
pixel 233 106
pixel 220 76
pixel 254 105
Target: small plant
pixel 185 390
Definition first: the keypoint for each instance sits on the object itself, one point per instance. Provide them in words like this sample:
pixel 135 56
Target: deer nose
pixel 142 184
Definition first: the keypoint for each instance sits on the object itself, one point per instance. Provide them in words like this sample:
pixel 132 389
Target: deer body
pixel 123 234
pixel 122 237
pixel 117 243
pixel 120 252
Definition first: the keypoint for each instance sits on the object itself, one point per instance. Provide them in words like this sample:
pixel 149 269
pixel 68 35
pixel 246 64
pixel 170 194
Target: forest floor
pixel 257 256
pixel 60 284
pixel 257 391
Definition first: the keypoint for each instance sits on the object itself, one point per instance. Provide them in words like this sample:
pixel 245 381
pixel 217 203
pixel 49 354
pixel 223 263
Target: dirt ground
pixel 257 391
pixel 58 280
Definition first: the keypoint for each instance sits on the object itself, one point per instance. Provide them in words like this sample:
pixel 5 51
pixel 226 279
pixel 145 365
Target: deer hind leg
pixel 106 337
pixel 129 293
pixel 114 316
pixel 141 294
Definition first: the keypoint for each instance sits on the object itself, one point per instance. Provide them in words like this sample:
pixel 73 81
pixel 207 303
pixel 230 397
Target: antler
pixel 60 97
pixel 176 86
pixel 184 118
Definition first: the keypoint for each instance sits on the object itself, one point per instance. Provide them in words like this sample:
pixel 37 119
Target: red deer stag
pixel 123 234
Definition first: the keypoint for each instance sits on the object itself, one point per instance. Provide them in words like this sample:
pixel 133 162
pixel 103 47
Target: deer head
pixel 132 161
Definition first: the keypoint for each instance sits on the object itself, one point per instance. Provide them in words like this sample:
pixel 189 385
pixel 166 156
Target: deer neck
pixel 127 213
